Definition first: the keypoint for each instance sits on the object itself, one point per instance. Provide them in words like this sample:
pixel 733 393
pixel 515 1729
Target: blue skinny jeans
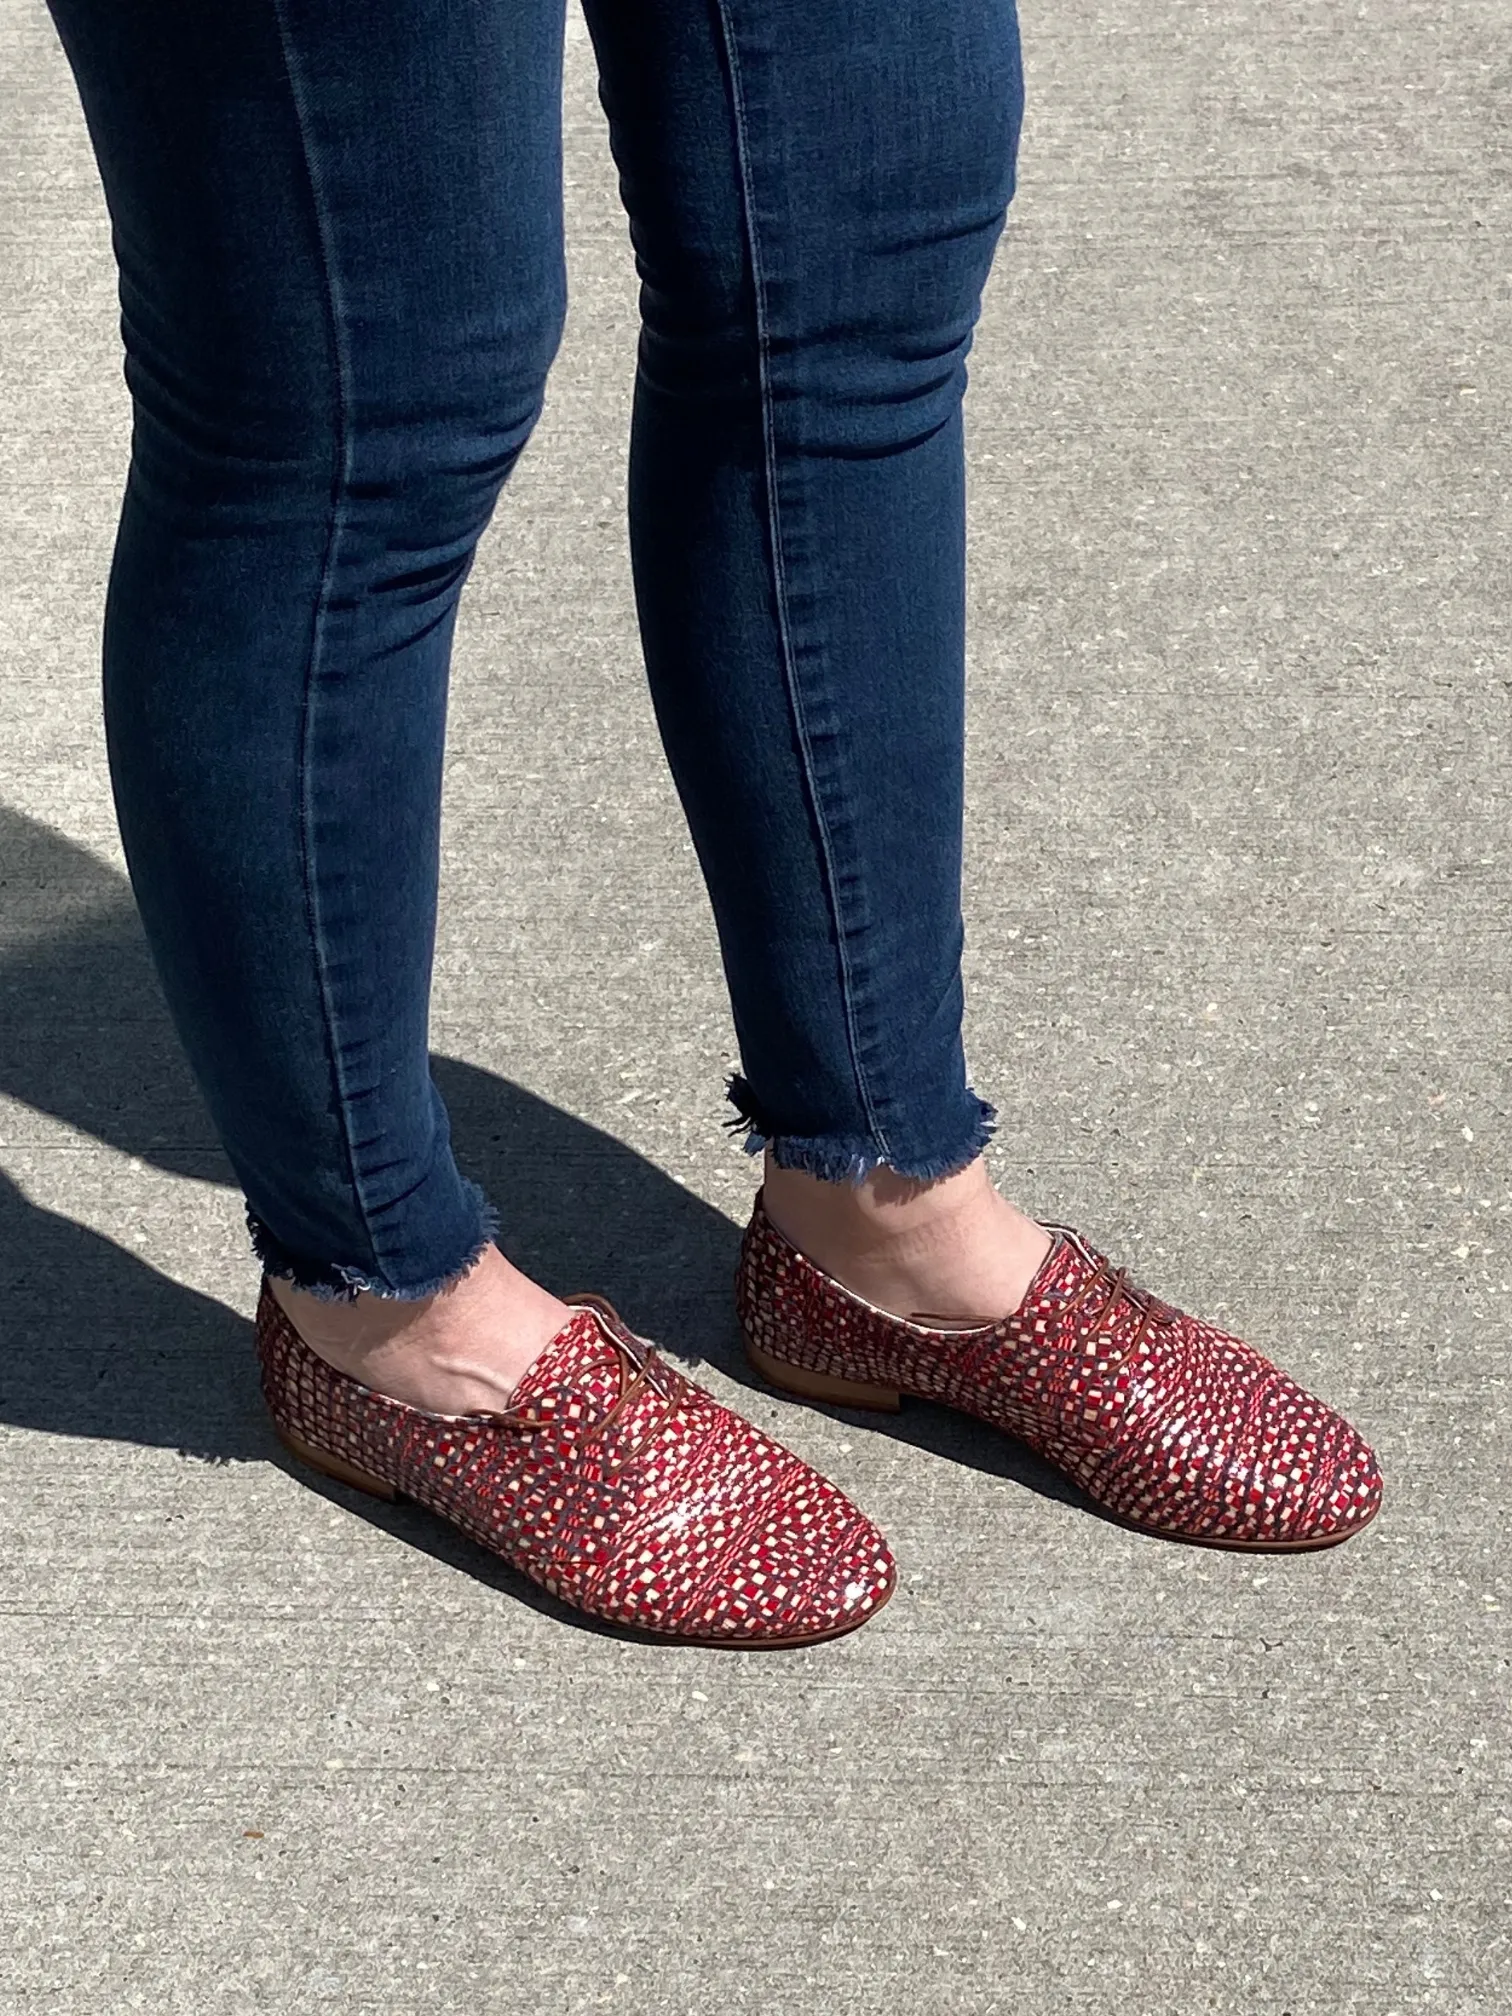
pixel 340 245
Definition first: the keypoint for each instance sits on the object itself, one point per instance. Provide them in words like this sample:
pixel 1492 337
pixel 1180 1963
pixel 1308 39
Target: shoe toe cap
pixel 1270 1467
pixel 813 1568
pixel 857 1581
pixel 1346 1486
pixel 1318 1480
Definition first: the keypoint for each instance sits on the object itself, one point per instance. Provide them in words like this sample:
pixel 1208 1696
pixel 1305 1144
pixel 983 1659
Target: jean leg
pixel 338 230
pixel 815 194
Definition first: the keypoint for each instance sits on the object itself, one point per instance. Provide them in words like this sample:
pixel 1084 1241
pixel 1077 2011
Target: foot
pixel 1166 1422
pixel 952 1252
pixel 616 1485
pixel 463 1351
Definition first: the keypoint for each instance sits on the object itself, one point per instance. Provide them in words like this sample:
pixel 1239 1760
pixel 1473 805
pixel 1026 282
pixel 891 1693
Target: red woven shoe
pixel 1169 1425
pixel 612 1481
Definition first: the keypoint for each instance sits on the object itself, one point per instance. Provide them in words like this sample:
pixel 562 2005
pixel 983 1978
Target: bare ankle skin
pixel 953 1249
pixel 462 1351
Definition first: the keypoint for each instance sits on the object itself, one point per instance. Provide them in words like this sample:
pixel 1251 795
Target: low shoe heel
pixel 821 1386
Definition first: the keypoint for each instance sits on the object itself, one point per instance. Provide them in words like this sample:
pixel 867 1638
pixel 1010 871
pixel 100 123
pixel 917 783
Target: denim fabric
pixel 339 234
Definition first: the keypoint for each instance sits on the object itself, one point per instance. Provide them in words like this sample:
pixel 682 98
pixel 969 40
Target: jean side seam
pixel 739 120
pixel 341 477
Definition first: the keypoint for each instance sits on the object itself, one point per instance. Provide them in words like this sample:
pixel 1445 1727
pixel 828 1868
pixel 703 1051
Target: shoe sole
pixel 832 1392
pixel 343 1472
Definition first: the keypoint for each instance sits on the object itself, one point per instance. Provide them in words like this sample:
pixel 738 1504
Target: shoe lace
pixel 642 1370
pixel 1121 1290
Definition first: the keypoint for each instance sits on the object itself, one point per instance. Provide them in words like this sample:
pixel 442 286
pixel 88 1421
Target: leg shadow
pixel 98 1343
pixel 107 1346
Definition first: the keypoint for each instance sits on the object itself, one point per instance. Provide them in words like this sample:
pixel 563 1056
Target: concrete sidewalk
pixel 1238 948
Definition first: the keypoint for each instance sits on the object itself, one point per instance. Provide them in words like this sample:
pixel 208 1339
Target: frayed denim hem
pixel 329 1282
pixel 850 1158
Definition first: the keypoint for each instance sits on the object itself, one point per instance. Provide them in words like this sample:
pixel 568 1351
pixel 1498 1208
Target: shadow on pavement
pixel 101 1344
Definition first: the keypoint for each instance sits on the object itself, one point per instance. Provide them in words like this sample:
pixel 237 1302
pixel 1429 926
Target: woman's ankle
pixel 463 1350
pixel 952 1248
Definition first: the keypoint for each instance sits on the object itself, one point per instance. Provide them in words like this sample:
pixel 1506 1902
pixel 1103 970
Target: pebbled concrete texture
pixel 1238 962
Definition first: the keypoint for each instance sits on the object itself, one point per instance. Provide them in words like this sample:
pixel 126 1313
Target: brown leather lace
pixel 1151 1309
pixel 642 1371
